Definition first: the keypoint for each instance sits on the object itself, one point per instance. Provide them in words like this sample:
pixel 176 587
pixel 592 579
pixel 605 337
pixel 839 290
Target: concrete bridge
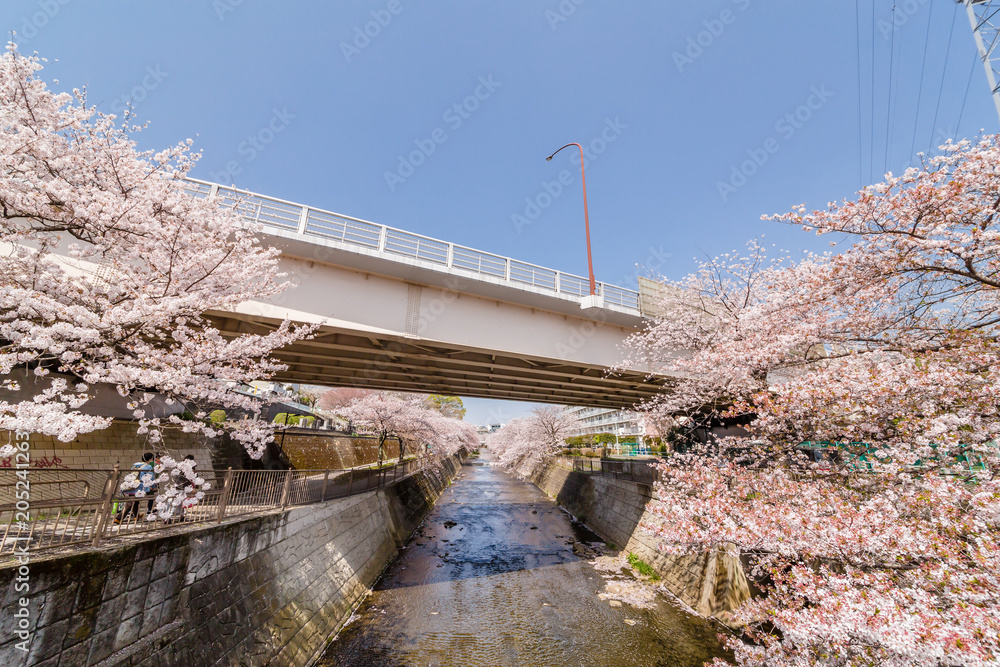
pixel 407 312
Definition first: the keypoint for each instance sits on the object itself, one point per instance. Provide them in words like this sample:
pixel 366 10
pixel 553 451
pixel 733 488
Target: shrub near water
pixel 642 567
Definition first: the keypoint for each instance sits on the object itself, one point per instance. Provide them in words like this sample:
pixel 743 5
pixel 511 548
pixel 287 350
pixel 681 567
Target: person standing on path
pixel 144 471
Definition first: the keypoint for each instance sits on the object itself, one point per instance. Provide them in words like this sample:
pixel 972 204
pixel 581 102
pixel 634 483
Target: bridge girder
pixel 340 358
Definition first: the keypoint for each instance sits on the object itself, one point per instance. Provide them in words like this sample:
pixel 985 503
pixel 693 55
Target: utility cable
pixel 920 86
pixel 937 108
pixel 857 42
pixel 888 92
pixel 871 137
pixel 965 98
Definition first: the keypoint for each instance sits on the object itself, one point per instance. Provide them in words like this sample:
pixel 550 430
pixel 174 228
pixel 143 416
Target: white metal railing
pixel 479 262
pixel 536 276
pixel 414 246
pixel 620 296
pixel 345 230
pixel 394 243
pixel 575 285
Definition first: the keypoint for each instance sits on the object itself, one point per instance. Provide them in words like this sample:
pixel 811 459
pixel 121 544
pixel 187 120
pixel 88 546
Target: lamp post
pixel 586 216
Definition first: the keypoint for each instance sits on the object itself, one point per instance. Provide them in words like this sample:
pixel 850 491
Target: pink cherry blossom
pixel 522 444
pixel 111 271
pixel 885 551
pixel 419 429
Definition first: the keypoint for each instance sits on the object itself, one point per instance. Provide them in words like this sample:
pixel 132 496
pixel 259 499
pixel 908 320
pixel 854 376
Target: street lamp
pixel 586 222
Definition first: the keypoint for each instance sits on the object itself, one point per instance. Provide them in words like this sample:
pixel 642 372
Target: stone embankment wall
pixel 269 589
pixel 712 584
pixel 322 450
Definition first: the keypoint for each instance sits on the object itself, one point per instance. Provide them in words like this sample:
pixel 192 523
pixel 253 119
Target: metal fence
pixel 43 509
pixel 641 472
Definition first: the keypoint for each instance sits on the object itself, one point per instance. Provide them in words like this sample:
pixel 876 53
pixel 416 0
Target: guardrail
pixel 44 509
pixel 641 472
pixel 391 243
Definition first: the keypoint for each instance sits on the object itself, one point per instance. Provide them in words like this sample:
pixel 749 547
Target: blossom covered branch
pixel 864 491
pixel 107 270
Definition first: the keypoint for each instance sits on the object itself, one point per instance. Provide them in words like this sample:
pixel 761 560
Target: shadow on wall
pixel 304 449
pixel 230 453
pixel 713 584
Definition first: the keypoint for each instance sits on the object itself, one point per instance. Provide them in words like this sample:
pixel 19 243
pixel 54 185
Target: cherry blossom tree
pixel 446 435
pixel 467 437
pixel 338 397
pixel 524 443
pixel 406 416
pixel 107 269
pixel 182 487
pixel 880 546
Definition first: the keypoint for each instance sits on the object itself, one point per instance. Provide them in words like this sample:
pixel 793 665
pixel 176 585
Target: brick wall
pixel 119 443
pixel 712 584
pixel 265 590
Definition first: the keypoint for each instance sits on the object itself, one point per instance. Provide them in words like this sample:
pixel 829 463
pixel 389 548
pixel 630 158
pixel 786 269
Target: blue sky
pixel 298 101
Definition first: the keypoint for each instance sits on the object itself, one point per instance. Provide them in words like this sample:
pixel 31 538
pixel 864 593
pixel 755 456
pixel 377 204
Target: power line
pixel 937 107
pixel 888 91
pixel 961 112
pixel 920 88
pixel 871 136
pixel 857 42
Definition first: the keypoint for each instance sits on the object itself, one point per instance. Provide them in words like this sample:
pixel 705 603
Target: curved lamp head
pixel 549 158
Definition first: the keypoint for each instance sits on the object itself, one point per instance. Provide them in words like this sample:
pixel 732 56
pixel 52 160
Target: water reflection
pixel 492 579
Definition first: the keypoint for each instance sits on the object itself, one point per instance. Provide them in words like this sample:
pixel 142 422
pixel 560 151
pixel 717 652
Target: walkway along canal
pixel 500 575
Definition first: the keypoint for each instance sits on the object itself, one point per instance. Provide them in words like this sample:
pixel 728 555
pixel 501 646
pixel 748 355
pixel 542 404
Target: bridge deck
pixel 368 239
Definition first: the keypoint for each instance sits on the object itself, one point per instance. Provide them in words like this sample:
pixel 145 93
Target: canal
pixel 500 575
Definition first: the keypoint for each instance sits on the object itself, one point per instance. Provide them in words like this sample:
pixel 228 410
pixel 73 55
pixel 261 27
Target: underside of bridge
pixel 339 358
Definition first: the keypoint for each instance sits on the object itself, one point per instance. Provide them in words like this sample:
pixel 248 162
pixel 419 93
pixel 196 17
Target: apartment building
pixel 605 420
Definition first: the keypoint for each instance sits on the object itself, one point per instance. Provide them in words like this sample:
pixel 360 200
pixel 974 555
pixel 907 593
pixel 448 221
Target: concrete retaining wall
pixel 270 589
pixel 711 584
pixel 322 450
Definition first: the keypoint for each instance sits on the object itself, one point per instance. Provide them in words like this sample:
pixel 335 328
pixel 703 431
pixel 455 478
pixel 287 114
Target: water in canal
pixel 492 578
